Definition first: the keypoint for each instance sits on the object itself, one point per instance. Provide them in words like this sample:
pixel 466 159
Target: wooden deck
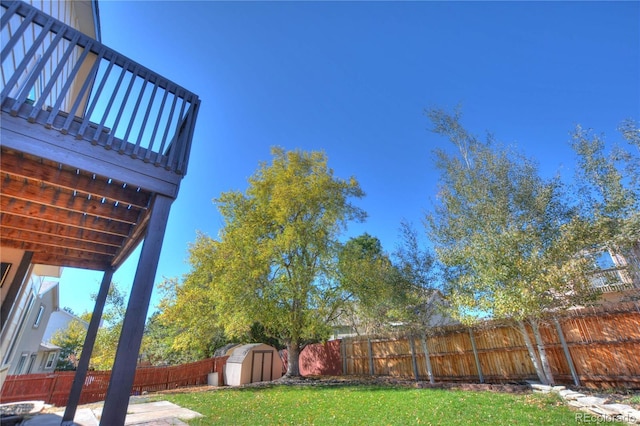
pixel 89 139
pixel 94 147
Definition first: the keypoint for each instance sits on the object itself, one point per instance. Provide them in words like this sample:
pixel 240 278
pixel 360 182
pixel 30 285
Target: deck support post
pixel 12 292
pixel 124 367
pixel 87 349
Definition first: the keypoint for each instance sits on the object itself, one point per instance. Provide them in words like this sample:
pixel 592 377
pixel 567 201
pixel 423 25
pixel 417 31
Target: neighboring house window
pixel 39 317
pixel 32 359
pixel 50 359
pixel 611 271
pixel 21 362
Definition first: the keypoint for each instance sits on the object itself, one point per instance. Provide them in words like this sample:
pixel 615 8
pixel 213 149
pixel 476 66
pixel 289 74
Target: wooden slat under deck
pixel 68 216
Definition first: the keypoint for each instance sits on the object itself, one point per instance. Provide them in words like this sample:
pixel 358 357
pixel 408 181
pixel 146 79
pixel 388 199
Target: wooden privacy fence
pixel 603 344
pixel 317 359
pixel 54 388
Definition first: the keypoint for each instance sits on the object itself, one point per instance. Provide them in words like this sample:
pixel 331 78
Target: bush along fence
pixel 55 388
pixel 596 347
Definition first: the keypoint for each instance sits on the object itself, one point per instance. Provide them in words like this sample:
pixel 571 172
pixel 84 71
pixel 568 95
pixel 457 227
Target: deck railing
pixel 612 280
pixel 54 75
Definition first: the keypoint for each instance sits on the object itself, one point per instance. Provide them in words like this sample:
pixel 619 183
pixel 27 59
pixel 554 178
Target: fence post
pixel 427 358
pixel 52 387
pixel 475 355
pixel 166 378
pixel 343 351
pixel 567 354
pixel 220 363
pixel 371 366
pixel 412 345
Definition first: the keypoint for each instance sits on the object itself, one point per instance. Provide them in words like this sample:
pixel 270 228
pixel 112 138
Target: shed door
pixel 261 366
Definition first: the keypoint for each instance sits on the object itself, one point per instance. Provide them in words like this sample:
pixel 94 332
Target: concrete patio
pixel 140 412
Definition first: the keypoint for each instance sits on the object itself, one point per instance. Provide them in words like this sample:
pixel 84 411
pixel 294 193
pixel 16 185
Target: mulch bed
pixel 362 381
pixel 402 382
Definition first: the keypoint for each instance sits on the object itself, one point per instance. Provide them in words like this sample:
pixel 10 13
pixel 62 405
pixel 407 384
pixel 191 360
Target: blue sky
pixel 353 79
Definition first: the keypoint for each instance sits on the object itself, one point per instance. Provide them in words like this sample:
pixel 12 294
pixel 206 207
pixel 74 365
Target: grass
pixel 371 405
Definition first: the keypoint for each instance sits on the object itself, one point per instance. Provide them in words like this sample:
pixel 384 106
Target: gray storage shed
pixel 255 362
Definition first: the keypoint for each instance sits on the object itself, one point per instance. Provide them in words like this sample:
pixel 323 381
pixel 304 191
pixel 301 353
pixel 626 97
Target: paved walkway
pixel 595 409
pixel 159 413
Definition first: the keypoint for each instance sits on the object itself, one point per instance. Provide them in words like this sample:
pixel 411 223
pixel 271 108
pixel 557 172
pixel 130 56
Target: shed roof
pixel 241 352
pixel 224 350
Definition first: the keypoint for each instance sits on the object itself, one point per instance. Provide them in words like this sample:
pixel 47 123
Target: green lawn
pixel 370 405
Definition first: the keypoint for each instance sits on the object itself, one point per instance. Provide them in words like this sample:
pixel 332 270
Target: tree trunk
pixel 293 357
pixel 427 359
pixel 532 354
pixel 542 351
pixel 567 353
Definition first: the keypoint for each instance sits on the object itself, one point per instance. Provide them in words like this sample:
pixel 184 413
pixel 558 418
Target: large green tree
pixel 104 349
pixel 415 272
pixel 507 238
pixel 163 343
pixel 187 326
pixel 366 276
pixel 70 340
pixel 383 292
pixel 274 260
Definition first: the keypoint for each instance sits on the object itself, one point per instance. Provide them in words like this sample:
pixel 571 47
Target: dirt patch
pixel 190 389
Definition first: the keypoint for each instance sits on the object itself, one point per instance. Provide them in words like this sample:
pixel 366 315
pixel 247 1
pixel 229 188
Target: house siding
pixel 32 328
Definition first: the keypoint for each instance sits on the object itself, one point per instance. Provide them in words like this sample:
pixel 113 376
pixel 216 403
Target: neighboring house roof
pixel 59 320
pixel 430 315
pixel 96 20
pixel 47 347
pixel 47 286
pixel 53 289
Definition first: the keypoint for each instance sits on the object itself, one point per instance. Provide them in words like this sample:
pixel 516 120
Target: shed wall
pixel 259 363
